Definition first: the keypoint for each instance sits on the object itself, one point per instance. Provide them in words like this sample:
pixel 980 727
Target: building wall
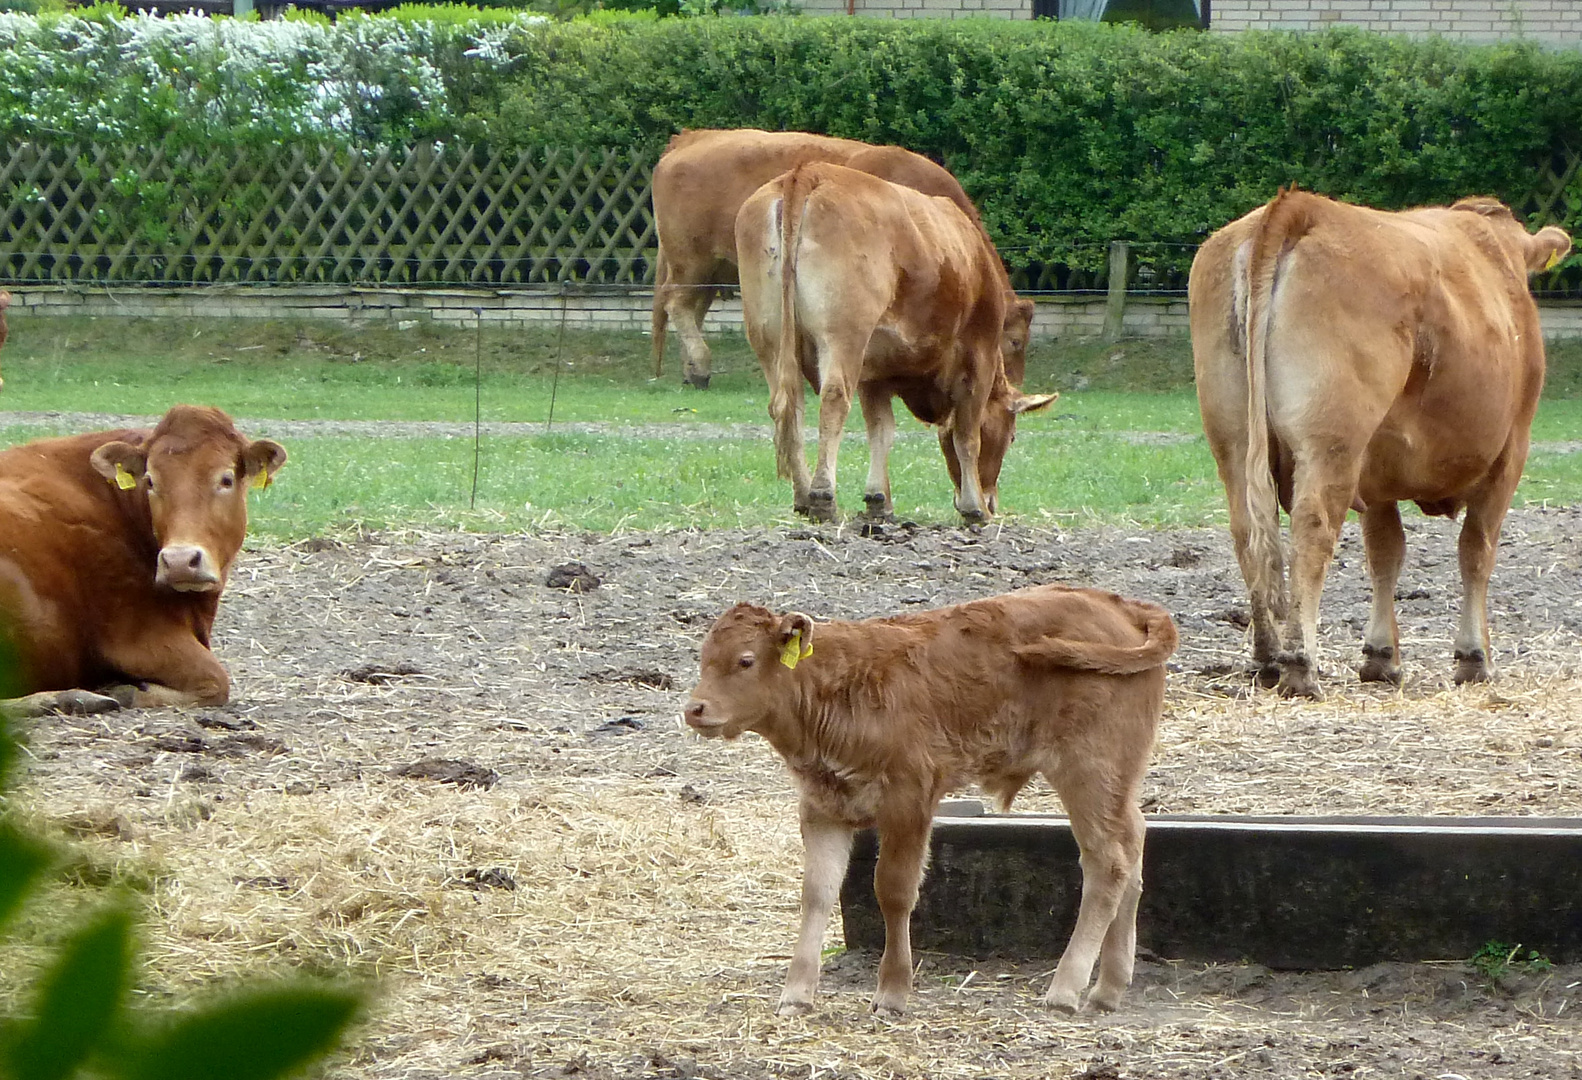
pixel 612 309
pixel 1549 22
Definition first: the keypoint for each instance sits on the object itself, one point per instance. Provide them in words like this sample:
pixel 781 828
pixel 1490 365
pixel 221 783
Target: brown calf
pixel 880 719
pixel 114 549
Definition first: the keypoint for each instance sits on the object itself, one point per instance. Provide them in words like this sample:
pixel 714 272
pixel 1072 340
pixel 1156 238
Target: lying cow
pixel 1350 358
pixel 879 719
pixel 114 549
pixel 865 287
pixel 701 182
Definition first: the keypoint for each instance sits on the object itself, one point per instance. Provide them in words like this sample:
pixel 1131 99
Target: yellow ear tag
pixel 261 478
pixel 1553 261
pixel 793 650
pixel 123 479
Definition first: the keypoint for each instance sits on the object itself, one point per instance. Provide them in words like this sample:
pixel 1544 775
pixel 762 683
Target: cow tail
pixel 1282 224
pixel 787 387
pixel 1159 641
pixel 661 313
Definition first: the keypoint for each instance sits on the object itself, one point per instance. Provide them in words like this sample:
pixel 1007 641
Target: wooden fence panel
pixel 425 214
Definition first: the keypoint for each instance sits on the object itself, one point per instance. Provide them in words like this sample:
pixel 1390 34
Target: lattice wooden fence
pixel 423 214
pixel 430 215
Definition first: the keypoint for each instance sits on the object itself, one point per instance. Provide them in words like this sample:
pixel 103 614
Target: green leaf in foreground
pixel 255 1035
pixel 77 1002
pixel 21 862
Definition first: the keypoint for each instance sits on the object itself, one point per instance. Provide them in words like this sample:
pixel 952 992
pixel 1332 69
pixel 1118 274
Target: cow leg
pixel 826 849
pixel 878 413
pixel 169 668
pixel 1480 536
pixel 903 851
pixel 1385 544
pixel 72 702
pixel 687 305
pixel 834 405
pixel 1317 513
pixel 1109 833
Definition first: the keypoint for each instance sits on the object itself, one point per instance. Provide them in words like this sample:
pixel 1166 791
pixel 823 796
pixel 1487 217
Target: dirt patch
pixel 622 901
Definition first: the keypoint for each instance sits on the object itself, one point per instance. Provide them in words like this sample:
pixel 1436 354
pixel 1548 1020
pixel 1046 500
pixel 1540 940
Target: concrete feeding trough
pixel 1285 892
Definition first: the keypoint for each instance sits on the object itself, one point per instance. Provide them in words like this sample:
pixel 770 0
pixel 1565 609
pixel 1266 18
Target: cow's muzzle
pixel 186 568
pixel 697 718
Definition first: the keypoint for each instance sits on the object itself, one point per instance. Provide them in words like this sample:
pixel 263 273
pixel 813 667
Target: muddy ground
pixel 606 896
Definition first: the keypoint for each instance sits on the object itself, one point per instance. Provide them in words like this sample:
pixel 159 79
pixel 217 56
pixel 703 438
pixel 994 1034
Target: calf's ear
pixel 121 463
pixel 262 459
pixel 1546 248
pixel 795 625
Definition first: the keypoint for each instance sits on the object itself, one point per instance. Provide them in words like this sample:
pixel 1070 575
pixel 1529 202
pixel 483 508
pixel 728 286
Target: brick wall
pixel 1550 22
pixel 610 309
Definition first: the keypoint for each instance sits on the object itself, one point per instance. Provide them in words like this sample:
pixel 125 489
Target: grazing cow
pixel 1350 358
pixel 877 720
pixel 5 302
pixel 701 182
pixel 114 549
pixel 870 288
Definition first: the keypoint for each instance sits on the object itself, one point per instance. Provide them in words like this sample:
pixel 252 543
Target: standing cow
pixel 869 288
pixel 1350 358
pixel 878 720
pixel 701 182
pixel 114 549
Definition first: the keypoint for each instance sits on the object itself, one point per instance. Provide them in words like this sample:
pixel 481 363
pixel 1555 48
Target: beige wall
pixel 614 309
pixel 1549 22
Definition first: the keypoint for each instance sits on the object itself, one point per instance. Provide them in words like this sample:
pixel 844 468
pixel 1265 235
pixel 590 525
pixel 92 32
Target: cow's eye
pixel 227 480
pixel 747 660
pixel 149 477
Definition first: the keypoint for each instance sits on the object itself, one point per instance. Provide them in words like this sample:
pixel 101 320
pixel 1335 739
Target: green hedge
pixel 1072 134
pixel 1068 134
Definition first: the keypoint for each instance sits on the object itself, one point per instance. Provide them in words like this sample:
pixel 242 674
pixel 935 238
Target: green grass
pixel 1081 459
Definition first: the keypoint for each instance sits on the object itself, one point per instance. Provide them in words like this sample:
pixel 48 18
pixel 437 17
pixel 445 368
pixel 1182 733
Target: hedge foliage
pixel 1067 134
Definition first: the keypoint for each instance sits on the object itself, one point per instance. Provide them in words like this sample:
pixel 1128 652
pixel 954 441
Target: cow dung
pixel 574 577
pixel 449 771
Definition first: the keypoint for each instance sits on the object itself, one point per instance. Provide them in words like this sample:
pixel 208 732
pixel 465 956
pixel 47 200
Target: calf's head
pixel 194 471
pixel 747 663
pixel 1016 332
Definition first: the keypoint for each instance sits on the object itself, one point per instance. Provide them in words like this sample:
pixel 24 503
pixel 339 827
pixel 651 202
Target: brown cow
pixel 867 287
pixel 701 182
pixel 5 302
pixel 114 549
pixel 1353 358
pixel 877 720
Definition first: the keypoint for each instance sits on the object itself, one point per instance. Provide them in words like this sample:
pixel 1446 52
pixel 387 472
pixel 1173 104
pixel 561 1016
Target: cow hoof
pixel 1378 665
pixel 794 1008
pixel 1268 674
pixel 86 702
pixel 877 508
pixel 1104 1001
pixel 1298 681
pixel 1472 667
pixel 820 506
pixel 888 1010
pixel 1061 1003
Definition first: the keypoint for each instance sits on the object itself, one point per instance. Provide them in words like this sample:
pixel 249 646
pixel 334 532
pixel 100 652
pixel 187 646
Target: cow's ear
pixel 1026 403
pixel 262 459
pixel 121 463
pixel 794 635
pixel 1546 248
